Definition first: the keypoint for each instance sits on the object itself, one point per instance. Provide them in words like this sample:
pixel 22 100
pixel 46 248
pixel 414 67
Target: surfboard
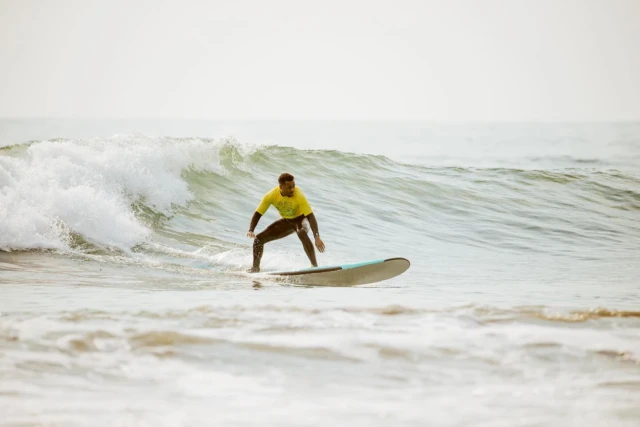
pixel 346 275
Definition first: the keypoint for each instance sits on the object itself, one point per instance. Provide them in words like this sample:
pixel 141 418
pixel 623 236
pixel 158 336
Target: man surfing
pixel 296 217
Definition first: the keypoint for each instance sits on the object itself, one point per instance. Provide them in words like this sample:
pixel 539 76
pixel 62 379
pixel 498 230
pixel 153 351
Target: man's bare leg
pixel 276 230
pixel 302 231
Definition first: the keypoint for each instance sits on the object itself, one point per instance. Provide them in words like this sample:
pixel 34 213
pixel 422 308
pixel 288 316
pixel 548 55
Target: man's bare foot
pixel 253 270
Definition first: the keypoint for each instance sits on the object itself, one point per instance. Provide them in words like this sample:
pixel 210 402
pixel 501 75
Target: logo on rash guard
pixel 286 208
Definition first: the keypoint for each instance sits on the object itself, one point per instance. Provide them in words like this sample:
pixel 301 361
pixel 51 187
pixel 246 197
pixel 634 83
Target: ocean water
pixel 124 298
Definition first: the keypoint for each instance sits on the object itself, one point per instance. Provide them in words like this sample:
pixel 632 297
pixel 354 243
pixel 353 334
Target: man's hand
pixel 319 244
pixel 251 234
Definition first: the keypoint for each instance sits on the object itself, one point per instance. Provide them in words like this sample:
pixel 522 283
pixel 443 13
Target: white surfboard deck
pixel 347 274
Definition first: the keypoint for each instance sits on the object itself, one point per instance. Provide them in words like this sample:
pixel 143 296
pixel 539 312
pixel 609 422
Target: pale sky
pixel 426 60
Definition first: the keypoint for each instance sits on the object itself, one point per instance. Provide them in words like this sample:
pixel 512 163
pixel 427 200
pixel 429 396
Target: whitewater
pixel 125 298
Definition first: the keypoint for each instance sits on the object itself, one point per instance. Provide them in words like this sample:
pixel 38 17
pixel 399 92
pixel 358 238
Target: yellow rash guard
pixel 289 207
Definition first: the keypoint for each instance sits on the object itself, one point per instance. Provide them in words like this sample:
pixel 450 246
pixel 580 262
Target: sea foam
pixel 51 190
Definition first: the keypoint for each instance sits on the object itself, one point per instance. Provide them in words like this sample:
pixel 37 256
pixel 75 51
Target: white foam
pixel 241 259
pixel 54 188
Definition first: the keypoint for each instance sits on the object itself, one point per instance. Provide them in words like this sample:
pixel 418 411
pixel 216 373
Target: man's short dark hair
pixel 284 178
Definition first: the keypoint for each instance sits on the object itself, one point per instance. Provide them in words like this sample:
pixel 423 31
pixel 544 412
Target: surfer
pixel 296 217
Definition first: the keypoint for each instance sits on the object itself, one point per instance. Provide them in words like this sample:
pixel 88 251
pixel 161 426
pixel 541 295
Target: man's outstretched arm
pixel 254 223
pixel 316 232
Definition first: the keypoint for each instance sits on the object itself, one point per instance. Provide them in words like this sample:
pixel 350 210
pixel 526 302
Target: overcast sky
pixel 431 60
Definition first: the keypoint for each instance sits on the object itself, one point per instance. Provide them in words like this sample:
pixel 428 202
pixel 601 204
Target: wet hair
pixel 284 178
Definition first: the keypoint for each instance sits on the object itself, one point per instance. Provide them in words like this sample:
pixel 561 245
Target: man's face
pixel 287 188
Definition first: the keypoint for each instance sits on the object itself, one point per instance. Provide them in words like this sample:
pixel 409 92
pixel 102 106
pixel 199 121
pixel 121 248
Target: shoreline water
pixel 125 302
